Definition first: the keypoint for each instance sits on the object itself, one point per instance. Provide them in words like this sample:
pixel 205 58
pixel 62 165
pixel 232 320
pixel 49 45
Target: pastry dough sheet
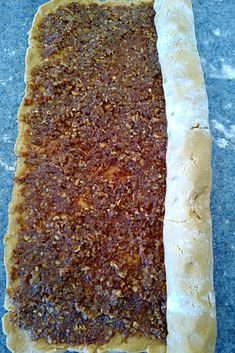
pixel 188 254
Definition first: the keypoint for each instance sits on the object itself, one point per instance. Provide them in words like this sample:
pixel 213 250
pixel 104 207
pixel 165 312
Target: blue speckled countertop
pixel 215 29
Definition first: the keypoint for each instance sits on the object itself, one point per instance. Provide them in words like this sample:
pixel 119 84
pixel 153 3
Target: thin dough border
pixel 188 254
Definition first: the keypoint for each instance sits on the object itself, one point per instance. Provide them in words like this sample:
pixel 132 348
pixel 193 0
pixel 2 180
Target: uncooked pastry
pixel 187 224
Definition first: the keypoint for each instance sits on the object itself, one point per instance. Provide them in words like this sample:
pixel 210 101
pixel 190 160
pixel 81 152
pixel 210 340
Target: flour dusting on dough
pixel 180 303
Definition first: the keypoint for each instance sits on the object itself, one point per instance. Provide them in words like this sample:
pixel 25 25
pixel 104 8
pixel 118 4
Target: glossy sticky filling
pixel 89 257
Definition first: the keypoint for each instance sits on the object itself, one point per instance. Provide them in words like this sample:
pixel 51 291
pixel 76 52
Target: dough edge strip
pixel 190 296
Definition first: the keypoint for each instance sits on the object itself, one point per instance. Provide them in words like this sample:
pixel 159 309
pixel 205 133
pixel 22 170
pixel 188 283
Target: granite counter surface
pixel 215 30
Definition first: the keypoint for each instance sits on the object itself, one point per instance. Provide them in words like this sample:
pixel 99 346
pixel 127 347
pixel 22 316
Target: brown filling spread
pixel 89 256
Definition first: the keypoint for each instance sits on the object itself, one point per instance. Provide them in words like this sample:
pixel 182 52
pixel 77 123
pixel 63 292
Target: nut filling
pixel 89 257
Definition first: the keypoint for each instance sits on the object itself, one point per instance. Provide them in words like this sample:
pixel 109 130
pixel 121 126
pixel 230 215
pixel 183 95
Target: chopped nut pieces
pixel 89 255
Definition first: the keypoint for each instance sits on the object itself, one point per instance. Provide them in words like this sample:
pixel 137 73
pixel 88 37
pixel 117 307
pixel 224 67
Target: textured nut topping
pixel 89 257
